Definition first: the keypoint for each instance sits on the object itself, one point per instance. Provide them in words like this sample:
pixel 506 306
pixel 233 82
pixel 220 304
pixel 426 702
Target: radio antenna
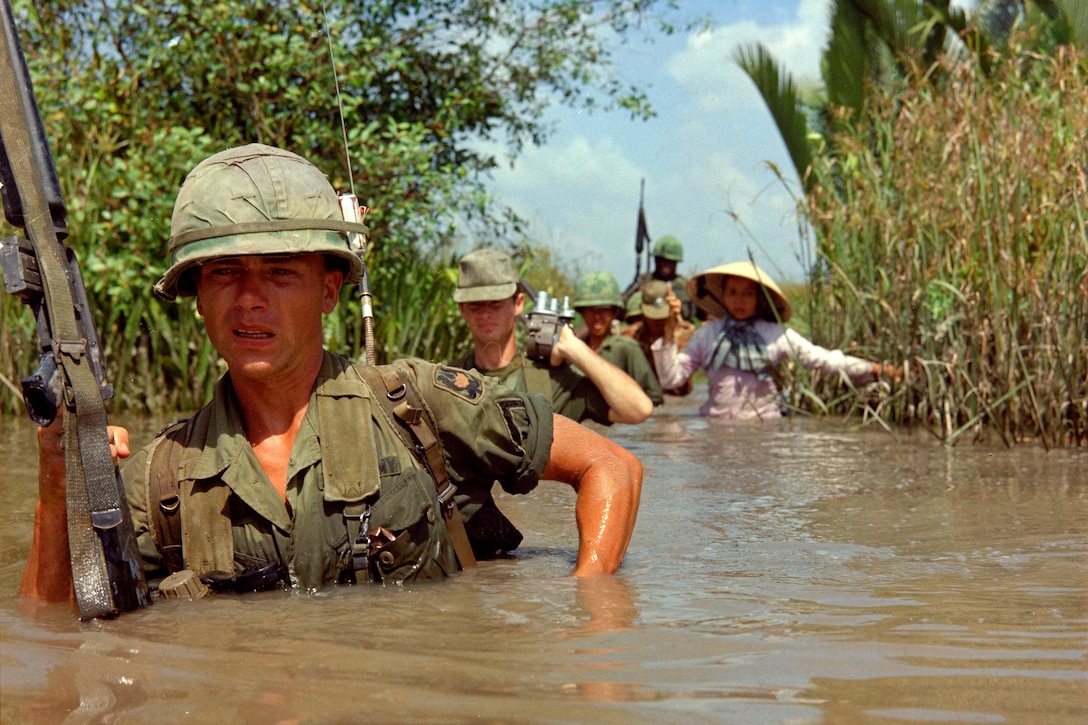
pixel 339 99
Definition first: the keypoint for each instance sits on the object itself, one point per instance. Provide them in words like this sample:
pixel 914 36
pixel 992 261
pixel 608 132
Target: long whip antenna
pixel 339 98
pixel 353 212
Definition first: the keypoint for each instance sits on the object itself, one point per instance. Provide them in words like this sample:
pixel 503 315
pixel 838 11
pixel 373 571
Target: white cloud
pixel 704 158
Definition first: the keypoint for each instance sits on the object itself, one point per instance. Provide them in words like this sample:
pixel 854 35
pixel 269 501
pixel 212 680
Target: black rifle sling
pixel 96 505
pixel 405 405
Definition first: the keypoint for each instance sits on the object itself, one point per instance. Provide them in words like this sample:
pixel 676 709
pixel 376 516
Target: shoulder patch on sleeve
pixel 458 382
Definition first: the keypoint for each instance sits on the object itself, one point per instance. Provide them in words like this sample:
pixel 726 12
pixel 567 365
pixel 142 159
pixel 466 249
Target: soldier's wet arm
pixel 608 479
pixel 627 401
pixel 488 431
pixel 48 573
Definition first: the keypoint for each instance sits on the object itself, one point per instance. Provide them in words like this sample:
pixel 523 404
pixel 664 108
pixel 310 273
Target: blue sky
pixel 704 157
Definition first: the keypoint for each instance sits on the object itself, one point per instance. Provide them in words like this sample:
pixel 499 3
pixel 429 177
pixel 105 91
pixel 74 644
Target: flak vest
pixel 387 519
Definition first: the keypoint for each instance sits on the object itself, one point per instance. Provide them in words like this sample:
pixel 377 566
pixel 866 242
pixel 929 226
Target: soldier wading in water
pixel 301 468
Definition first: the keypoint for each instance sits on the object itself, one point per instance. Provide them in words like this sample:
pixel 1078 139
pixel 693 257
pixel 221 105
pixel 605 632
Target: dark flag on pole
pixel 642 235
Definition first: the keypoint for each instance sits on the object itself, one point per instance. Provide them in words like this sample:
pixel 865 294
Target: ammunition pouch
pixel 403 547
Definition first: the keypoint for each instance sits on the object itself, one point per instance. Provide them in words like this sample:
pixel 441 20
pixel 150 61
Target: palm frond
pixel 780 94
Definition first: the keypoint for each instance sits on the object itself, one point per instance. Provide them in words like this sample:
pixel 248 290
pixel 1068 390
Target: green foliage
pixel 874 44
pixel 781 96
pixel 132 96
pixel 945 191
pixel 960 247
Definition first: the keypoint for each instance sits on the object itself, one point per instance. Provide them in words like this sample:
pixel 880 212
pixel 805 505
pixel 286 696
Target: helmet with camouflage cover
pixel 669 247
pixel 255 199
pixel 598 289
pixel 633 310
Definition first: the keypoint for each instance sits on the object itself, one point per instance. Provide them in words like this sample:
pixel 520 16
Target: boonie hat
pixel 486 275
pixel 705 289
pixel 255 199
pixel 654 304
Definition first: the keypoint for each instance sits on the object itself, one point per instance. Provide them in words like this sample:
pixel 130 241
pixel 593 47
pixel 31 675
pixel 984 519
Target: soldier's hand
pixel 118 442
pixel 51 463
pixel 561 349
pixel 673 320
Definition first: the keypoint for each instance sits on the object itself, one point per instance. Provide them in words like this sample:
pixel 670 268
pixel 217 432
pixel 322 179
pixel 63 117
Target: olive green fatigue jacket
pixel 347 458
pixel 626 354
pixel 572 394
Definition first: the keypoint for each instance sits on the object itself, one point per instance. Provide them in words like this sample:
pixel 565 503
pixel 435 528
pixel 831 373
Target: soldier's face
pixel 598 320
pixel 263 312
pixel 664 269
pixel 492 320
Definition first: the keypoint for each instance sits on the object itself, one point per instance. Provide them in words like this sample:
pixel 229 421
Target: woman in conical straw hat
pixel 743 342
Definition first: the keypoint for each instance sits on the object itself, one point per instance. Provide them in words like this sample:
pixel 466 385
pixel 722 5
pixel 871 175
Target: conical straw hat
pixel 705 289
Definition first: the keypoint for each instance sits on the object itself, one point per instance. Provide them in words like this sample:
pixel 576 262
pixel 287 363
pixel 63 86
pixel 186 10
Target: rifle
pixel 44 273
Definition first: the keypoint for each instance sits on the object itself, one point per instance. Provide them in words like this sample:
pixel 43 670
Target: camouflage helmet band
pixel 275 225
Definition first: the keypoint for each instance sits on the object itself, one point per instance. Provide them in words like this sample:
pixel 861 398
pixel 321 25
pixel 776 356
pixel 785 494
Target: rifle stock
pixel 44 273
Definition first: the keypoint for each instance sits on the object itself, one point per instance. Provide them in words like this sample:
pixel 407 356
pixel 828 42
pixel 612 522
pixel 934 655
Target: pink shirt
pixel 738 394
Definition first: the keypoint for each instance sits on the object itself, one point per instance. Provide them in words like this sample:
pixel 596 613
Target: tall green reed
pixel 951 229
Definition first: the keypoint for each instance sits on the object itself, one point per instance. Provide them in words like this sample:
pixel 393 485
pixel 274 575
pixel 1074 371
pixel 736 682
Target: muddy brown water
pixel 794 572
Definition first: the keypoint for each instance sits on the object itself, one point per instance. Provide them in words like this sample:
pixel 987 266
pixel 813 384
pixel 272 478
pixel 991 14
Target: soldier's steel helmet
pixel 634 307
pixel 255 199
pixel 598 289
pixel 669 247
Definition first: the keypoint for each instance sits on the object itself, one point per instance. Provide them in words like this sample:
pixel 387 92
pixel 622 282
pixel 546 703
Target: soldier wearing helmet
pixel 668 252
pixel 295 472
pixel 580 383
pixel 597 299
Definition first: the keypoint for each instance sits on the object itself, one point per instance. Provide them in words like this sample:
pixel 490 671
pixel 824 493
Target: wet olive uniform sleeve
pixel 577 397
pixel 627 355
pixel 489 432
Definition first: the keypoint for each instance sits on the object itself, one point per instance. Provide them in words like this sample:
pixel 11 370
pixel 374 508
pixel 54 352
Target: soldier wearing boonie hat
pixel 654 304
pixel 741 347
pixel 258 238
pixel 653 311
pixel 489 301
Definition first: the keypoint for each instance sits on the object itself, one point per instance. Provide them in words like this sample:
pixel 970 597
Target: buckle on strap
pixel 360 546
pixel 74 349
pixel 406 412
pixel 445 496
